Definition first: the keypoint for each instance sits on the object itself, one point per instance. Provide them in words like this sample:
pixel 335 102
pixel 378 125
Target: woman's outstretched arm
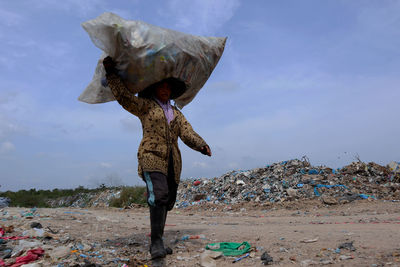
pixel 191 138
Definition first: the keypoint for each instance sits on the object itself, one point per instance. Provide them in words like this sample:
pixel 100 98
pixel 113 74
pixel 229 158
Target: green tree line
pixel 39 198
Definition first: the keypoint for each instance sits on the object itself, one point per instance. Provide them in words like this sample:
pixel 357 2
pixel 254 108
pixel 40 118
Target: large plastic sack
pixel 146 54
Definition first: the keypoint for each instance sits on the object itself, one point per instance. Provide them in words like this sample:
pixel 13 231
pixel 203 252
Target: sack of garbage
pixel 146 54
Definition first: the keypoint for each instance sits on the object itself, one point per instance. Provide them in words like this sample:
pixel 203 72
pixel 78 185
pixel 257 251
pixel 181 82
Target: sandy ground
pixel 295 235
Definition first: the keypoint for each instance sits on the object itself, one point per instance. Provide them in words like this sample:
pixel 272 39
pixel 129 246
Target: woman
pixel 159 157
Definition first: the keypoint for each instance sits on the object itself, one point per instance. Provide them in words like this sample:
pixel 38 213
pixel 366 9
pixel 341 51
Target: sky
pixel 297 78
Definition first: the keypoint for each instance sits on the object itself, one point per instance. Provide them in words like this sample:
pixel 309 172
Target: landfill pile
pixel 290 180
pixel 4 202
pixel 100 199
pixel 295 180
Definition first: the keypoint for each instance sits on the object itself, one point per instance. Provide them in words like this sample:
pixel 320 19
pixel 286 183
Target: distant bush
pixel 39 198
pixel 130 195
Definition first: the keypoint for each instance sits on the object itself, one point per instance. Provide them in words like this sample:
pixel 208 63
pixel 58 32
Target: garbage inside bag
pixel 146 54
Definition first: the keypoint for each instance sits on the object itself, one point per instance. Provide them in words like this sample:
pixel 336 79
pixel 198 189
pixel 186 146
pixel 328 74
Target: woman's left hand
pixel 109 65
pixel 206 150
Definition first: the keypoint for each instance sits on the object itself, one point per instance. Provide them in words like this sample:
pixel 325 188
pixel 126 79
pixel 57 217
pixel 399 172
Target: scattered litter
pixel 346 257
pixel 326 199
pixel 309 240
pixel 241 258
pixel 207 258
pixel 34 232
pixel 308 262
pixel 59 252
pixel 266 259
pixel 196 183
pixel 230 248
pixel 31 255
pixel 348 246
pixel 187 237
pixel 14 237
pixel 36 225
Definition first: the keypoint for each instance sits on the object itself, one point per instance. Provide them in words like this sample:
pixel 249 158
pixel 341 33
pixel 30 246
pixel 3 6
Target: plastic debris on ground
pixel 208 257
pixel 230 248
pixel 266 259
pixel 34 244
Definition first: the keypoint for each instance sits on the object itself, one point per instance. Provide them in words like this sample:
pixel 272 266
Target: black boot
pixel 168 250
pixel 157 221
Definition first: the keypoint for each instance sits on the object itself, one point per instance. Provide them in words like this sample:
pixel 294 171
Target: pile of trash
pixel 4 202
pixel 284 181
pixel 100 199
pixel 295 180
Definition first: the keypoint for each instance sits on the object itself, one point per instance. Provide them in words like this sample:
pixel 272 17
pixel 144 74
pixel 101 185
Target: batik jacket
pixel 160 139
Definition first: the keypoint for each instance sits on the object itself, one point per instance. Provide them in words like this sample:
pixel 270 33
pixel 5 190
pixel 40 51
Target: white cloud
pixel 295 78
pixel 224 86
pixel 56 57
pixel 106 165
pixel 6 147
pixel 199 164
pixel 124 13
pixel 380 24
pixel 202 17
pixel 7 127
pixel 12 105
pixel 9 18
pixel 382 16
pixel 82 124
pixel 76 7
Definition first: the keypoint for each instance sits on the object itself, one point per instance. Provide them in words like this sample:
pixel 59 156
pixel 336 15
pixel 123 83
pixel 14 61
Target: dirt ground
pixel 295 234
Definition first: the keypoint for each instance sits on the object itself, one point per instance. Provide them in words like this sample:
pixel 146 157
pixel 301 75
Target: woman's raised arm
pixel 135 105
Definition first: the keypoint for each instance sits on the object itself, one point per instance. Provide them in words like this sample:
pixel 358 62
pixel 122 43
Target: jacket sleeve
pixel 135 105
pixel 188 135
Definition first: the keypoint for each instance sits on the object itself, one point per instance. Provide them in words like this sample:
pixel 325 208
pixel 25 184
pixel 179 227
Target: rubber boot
pixel 157 220
pixel 168 250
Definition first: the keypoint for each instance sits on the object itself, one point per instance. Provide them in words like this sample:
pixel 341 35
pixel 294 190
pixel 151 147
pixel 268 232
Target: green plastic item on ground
pixel 230 248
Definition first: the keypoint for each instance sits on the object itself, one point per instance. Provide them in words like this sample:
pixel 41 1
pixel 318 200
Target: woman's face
pixel 163 92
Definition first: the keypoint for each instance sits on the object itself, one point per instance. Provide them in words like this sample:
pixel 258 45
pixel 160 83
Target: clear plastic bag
pixel 146 54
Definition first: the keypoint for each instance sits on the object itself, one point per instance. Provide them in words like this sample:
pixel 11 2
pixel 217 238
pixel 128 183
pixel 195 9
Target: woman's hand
pixel 206 150
pixel 109 65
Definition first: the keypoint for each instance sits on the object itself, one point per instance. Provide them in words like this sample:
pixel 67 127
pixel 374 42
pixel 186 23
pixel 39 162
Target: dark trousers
pixel 161 189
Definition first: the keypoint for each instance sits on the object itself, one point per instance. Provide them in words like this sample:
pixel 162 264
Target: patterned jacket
pixel 159 138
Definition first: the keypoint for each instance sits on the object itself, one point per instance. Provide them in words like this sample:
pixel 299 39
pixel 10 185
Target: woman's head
pixel 163 91
pixel 176 88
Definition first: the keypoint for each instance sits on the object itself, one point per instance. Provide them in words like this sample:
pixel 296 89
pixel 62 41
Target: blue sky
pixel 315 78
